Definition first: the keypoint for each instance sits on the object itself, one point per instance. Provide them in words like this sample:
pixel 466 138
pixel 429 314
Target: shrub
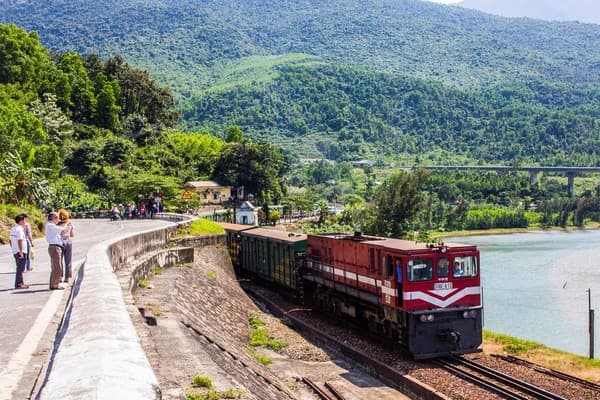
pixel 202 381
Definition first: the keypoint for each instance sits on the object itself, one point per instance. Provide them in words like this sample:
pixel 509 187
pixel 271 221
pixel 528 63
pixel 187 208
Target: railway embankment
pixel 197 324
pixel 97 352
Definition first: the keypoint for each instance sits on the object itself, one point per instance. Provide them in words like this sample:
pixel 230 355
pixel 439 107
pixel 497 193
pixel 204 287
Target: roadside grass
pixel 568 363
pixel 201 227
pixel 158 270
pixel 143 283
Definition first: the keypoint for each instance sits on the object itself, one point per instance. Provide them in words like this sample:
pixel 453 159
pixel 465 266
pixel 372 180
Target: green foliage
pixel 264 360
pixel 202 381
pixel 25 61
pixel 398 200
pixel 511 344
pixel 259 337
pixel 256 166
pixel 255 322
pixel 214 394
pixel 20 181
pixel 211 274
pixel 201 227
pixel 489 218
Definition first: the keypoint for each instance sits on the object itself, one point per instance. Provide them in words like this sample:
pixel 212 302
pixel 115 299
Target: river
pixel 535 286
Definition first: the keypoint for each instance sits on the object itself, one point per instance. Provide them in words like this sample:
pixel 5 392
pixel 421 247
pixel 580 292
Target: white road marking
pixel 11 375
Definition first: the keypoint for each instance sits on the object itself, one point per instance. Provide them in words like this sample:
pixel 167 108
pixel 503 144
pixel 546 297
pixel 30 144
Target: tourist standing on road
pixel 19 249
pixel 67 233
pixel 53 233
pixel 29 242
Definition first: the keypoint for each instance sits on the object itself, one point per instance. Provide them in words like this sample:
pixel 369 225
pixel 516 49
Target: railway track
pixel 549 371
pixel 391 376
pixel 498 382
pixel 323 395
pixel 502 385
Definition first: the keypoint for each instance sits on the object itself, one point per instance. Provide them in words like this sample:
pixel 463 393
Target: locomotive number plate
pixel 442 285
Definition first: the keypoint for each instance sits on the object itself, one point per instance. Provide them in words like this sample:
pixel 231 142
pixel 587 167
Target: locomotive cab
pixel 426 297
pixel 442 299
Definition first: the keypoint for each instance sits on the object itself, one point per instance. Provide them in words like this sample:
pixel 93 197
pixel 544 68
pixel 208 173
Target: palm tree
pixel 21 181
pixel 322 210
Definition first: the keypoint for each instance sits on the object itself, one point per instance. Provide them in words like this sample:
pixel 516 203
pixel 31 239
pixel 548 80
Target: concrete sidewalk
pixel 30 317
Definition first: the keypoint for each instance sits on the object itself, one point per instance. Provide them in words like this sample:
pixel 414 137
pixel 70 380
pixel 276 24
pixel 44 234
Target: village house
pixel 209 192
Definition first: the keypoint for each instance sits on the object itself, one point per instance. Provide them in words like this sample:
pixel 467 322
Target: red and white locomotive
pixel 427 297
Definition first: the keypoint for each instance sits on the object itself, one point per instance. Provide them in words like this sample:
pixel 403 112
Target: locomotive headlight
pixel 469 314
pixel 427 318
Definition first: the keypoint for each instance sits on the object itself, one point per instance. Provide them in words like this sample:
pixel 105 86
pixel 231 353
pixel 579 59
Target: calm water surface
pixel 535 286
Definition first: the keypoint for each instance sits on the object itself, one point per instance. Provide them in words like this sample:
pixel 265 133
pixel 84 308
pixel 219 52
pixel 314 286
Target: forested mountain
pixel 551 10
pixel 402 36
pixel 390 79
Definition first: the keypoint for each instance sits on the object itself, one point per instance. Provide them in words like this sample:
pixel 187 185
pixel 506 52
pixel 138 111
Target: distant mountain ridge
pixel 187 38
pixel 550 10
pixel 352 79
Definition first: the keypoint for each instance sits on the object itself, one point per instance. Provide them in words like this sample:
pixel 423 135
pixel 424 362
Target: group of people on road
pixel 132 211
pixel 59 233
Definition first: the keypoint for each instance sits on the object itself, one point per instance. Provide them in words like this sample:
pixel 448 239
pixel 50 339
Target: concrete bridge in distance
pixel 533 171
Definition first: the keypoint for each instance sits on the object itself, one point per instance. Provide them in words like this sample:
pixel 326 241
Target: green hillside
pixel 179 40
pixel 395 79
pixel 347 113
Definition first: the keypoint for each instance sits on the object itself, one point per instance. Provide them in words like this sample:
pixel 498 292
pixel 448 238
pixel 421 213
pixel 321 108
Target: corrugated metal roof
pixel 276 234
pixel 235 227
pixel 203 184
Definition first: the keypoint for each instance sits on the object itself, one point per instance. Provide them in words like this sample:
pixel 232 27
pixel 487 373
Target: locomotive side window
pixel 420 270
pixel 443 267
pixel 465 266
pixel 388 266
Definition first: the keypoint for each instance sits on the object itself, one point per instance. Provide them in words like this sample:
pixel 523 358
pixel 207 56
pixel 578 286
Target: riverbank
pixel 581 367
pixel 507 231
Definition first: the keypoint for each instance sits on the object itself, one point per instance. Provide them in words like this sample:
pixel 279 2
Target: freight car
pixel 425 297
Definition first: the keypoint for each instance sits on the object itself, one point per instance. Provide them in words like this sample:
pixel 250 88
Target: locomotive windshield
pixel 465 266
pixel 419 269
pixel 443 267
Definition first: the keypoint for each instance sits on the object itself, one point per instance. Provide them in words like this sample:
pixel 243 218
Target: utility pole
pixel 591 323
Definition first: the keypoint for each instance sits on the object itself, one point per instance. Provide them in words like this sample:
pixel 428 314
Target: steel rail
pixel 335 392
pixel 320 392
pixel 508 380
pixel 393 377
pixel 548 371
pixel 479 381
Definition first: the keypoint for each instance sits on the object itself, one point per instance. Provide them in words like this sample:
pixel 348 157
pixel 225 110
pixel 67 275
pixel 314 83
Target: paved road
pixel 26 315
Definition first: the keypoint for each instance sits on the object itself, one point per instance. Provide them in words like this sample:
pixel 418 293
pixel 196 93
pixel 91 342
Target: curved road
pixel 30 317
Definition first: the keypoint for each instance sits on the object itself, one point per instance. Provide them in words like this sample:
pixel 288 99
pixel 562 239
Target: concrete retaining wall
pixel 97 353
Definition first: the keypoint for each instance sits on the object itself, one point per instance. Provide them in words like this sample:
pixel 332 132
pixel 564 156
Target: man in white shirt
pixel 53 232
pixel 19 249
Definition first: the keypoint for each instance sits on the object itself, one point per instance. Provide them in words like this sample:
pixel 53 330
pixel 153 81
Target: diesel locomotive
pixel 426 297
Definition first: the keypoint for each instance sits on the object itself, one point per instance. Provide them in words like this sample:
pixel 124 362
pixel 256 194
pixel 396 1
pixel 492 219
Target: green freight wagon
pixel 273 255
pixel 234 240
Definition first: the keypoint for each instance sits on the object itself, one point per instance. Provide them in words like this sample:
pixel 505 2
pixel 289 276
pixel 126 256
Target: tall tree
pixel 398 201
pixel 257 167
